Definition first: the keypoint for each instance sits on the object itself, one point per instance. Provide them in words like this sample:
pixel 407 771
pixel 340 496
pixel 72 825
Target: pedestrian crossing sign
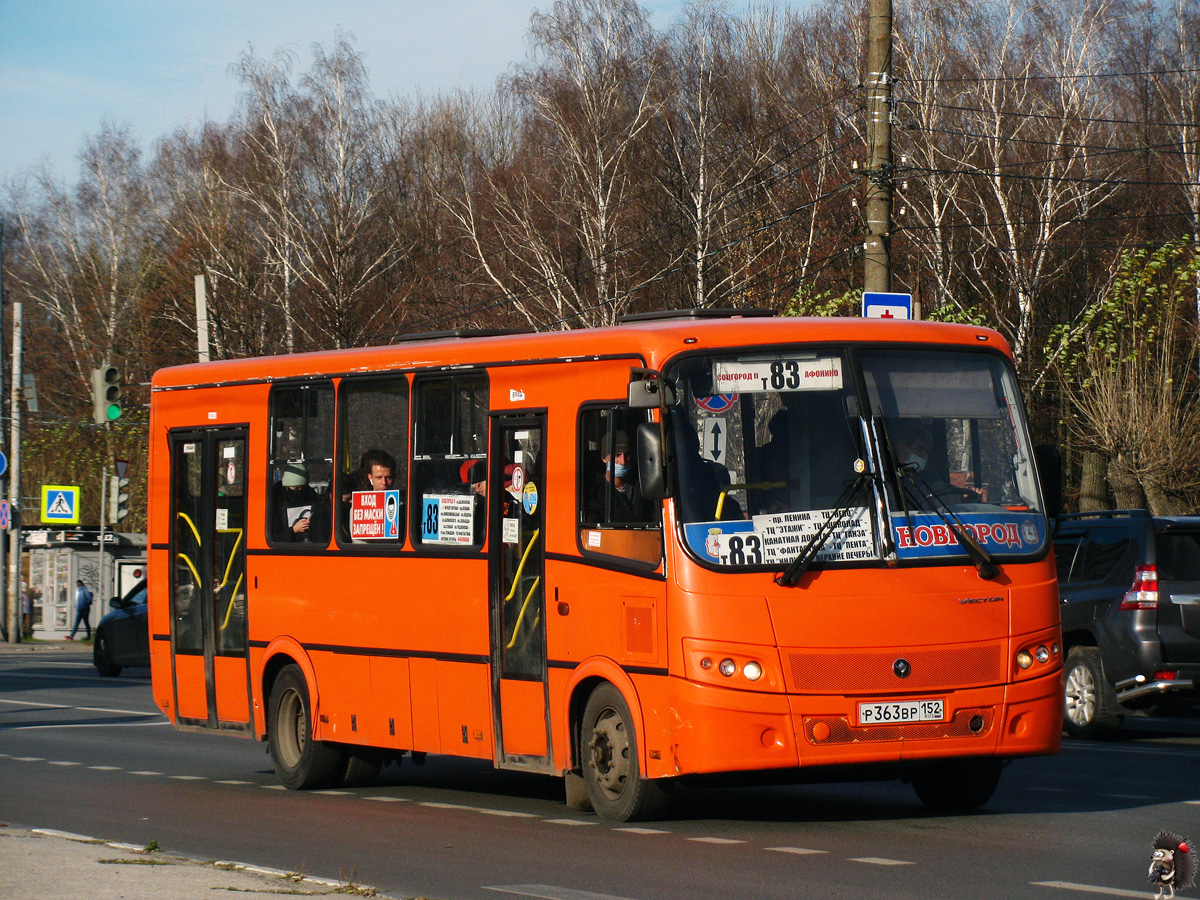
pixel 60 504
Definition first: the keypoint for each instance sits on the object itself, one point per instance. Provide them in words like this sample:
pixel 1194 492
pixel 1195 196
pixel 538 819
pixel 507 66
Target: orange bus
pixel 692 544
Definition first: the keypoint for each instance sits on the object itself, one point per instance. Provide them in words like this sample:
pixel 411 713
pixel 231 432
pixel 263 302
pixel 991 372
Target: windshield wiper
pixel 808 553
pixel 981 559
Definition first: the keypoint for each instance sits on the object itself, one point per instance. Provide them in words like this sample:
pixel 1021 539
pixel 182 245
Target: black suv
pixel 1130 589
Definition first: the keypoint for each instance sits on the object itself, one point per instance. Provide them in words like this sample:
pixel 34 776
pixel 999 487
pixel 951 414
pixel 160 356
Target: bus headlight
pixel 1024 659
pixel 752 670
pixel 728 667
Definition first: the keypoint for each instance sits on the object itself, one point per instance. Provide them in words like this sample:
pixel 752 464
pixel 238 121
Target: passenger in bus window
pixel 377 469
pixel 297 509
pixel 618 481
pixel 474 478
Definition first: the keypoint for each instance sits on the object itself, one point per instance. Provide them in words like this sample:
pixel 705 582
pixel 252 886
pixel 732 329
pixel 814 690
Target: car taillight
pixel 1144 593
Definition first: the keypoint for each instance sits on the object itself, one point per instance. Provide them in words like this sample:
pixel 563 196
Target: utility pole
pixel 14 471
pixel 877 255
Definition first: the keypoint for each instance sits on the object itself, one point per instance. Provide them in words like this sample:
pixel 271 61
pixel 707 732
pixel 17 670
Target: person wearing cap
pixel 296 506
pixel 616 486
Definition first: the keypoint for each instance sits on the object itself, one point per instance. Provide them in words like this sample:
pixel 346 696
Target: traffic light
pixel 106 394
pixel 118 498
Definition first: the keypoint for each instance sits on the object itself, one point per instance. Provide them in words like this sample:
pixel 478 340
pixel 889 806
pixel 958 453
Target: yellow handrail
pixel 753 486
pixel 192 526
pixel 521 615
pixel 232 553
pixel 195 574
pixel 525 556
pixel 232 597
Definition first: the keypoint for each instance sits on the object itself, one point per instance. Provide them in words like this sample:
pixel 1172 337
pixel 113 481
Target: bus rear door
pixel 210 663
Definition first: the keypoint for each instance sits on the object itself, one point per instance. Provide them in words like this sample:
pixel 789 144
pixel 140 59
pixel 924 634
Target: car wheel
pixel 102 657
pixel 301 762
pixel 1088 710
pixel 609 754
pixel 957 784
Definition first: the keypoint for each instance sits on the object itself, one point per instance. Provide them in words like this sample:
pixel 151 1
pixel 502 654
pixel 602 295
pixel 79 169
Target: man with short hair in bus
pixel 616 486
pixel 377 468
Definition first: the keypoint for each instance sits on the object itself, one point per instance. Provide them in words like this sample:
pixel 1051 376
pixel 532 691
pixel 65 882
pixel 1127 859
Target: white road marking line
pixel 799 851
pixel 145 773
pixel 87 725
pixel 507 812
pixel 632 830
pixel 69 835
pixel 64 762
pixel 334 793
pixel 189 778
pixel 105 768
pixel 234 782
pixel 566 822
pixel 715 840
pixel 549 892
pixel 273 787
pixel 1192 802
pixel 881 861
pixel 1090 889
pixel 388 799
pixel 435 805
pixel 120 712
pixel 30 758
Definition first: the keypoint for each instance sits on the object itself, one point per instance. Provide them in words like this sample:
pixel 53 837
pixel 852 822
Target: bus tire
pixel 301 762
pixel 957 785
pixel 609 753
pixel 1089 703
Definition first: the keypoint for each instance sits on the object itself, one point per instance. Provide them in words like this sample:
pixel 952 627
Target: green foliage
pixel 1141 308
pixel 960 315
pixel 76 452
pixel 808 301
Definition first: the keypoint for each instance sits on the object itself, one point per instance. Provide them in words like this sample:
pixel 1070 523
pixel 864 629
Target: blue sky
pixel 156 65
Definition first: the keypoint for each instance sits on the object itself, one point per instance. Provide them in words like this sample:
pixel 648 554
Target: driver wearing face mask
pixel 616 497
pixel 912 447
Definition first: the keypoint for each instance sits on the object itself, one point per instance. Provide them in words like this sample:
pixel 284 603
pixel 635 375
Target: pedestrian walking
pixel 83 610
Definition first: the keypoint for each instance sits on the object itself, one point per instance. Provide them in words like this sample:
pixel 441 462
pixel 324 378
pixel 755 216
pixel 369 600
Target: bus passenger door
pixel 517 488
pixel 209 654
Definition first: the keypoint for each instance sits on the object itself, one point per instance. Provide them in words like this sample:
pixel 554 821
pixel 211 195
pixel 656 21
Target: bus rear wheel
pixel 609 753
pixel 301 762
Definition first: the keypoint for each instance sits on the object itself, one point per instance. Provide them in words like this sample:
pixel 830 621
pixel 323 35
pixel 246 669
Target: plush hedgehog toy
pixel 1173 864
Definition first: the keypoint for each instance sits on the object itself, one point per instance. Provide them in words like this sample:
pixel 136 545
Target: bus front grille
pixel 874 671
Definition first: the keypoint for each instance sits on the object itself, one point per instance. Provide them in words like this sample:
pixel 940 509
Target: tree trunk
pixel 1093 489
pixel 1125 486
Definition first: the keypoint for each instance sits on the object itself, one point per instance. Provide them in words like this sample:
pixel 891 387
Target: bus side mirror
pixel 1049 467
pixel 652 462
pixel 650 394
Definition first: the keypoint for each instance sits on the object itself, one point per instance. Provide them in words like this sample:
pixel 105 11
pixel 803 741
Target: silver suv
pixel 1130 589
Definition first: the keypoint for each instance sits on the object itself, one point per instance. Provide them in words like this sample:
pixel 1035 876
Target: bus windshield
pixel 862 454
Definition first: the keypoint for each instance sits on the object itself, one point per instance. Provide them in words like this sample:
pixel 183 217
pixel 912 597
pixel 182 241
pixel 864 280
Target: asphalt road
pixel 91 756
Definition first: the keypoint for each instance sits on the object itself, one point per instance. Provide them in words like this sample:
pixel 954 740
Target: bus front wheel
pixel 957 785
pixel 301 762
pixel 609 754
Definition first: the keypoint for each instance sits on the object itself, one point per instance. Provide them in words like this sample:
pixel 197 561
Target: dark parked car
pixel 1130 589
pixel 122 636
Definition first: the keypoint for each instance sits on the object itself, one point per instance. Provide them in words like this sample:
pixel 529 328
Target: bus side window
pixel 614 518
pixel 450 434
pixel 301 464
pixel 372 469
